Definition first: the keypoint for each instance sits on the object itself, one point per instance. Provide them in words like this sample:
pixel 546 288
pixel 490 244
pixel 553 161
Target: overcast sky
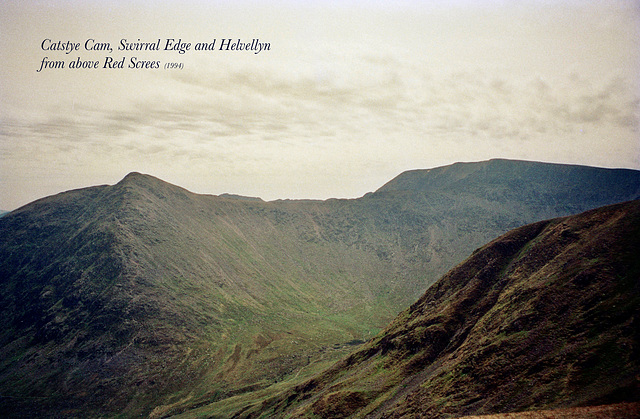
pixel 350 93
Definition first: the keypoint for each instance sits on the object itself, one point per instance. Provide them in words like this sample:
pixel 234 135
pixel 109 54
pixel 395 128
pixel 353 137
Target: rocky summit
pixel 144 299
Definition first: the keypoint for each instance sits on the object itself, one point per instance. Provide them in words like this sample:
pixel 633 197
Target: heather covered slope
pixel 543 317
pixel 144 297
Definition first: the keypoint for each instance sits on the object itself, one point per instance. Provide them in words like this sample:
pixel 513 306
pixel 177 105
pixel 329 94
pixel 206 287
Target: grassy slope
pixel 543 317
pixel 143 295
pixel 192 296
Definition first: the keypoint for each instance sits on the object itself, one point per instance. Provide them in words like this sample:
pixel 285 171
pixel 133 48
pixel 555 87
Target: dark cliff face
pixel 143 295
pixel 543 317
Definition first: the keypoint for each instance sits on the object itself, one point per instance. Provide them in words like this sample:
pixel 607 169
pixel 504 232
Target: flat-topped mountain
pixel 523 186
pixel 504 174
pixel 544 317
pixel 143 297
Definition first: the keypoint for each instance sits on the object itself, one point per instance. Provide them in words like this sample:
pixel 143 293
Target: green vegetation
pixel 143 298
pixel 534 337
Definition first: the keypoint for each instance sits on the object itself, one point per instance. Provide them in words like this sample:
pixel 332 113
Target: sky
pixel 348 95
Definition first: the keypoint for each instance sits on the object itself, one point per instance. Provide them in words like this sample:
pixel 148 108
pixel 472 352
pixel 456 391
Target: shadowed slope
pixel 542 317
pixel 144 286
pixel 144 297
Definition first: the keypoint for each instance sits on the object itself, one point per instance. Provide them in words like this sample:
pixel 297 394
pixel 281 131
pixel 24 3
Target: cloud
pixel 366 90
pixel 226 116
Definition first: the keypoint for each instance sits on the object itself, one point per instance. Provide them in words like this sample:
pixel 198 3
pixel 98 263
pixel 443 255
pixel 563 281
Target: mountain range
pixel 142 298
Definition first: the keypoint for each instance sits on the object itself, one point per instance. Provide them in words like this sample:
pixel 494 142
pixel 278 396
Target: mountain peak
pixel 149 183
pixel 492 178
pixel 137 177
pixel 154 293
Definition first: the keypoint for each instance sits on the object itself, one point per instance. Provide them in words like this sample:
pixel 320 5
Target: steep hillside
pixel 142 297
pixel 441 215
pixel 543 317
pixel 142 290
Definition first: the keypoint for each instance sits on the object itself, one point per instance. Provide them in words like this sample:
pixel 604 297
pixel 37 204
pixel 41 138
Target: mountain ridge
pixel 501 170
pixel 142 295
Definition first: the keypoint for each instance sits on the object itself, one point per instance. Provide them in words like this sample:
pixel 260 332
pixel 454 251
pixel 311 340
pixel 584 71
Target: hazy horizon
pixel 348 95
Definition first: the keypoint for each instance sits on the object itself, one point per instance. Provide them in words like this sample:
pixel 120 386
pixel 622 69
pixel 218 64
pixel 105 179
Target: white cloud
pixel 349 97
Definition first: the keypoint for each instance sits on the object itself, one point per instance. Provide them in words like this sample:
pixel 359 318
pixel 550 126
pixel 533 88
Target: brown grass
pixel 612 411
